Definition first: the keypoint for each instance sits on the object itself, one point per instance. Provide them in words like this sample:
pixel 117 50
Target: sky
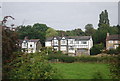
pixel 59 15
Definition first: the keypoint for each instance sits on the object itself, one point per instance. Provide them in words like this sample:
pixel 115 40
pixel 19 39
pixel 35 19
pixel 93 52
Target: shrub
pixel 112 51
pixel 31 66
pixel 70 59
pixel 96 49
pixel 115 67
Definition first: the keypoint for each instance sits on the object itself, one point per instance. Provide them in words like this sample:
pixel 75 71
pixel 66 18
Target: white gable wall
pixel 48 44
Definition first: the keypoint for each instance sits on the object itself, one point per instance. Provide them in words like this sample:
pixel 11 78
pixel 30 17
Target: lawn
pixel 82 70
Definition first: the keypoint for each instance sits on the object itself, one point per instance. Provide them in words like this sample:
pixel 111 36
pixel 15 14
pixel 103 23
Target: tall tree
pixel 104 21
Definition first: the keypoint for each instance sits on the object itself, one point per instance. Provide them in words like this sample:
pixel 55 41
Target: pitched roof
pixel 34 40
pixel 113 37
pixel 80 37
pixel 70 37
pixel 31 40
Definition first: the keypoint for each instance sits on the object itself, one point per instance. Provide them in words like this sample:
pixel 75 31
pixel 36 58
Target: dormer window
pixel 55 38
pixel 24 44
pixel 63 38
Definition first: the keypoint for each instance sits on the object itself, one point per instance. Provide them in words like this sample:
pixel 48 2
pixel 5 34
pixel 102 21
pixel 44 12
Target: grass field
pixel 82 70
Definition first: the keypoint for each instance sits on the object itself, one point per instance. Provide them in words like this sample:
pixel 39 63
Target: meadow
pixel 83 70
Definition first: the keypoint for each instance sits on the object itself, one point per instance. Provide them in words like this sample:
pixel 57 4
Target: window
pixel 56 42
pixel 30 45
pixel 71 48
pixel 83 42
pixel 63 41
pixel 77 42
pixel 110 41
pixel 24 44
pixel 116 41
pixel 71 42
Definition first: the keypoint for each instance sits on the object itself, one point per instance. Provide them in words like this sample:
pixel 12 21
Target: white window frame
pixel 110 41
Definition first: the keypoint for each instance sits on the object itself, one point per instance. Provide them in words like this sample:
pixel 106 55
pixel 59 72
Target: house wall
pixel 24 44
pixel 71 45
pixel 31 47
pixel 48 44
pixel 38 46
pixel 112 44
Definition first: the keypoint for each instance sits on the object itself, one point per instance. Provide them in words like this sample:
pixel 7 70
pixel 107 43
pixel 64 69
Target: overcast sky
pixel 59 15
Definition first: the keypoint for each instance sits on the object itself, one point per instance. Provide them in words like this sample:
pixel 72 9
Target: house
pixel 30 45
pixel 112 41
pixel 73 45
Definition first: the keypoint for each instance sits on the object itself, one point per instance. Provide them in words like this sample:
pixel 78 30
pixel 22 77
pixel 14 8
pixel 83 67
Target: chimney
pixel 107 34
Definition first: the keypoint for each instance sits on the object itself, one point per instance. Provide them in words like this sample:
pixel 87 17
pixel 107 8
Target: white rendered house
pixel 30 46
pixel 73 45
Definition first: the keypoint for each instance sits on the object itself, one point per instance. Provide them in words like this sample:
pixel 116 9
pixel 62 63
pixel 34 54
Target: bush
pixel 31 66
pixel 70 59
pixel 96 49
pixel 112 51
pixel 115 67
pixel 61 58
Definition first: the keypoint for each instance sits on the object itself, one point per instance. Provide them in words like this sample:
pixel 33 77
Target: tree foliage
pixel 75 32
pixel 103 19
pixel 37 31
pixel 31 66
pixel 96 49
pixel 9 43
pixel 115 67
pixel 51 32
pixel 89 30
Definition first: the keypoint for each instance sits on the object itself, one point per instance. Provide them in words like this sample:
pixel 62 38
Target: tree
pixel 75 32
pixel 61 33
pixel 89 30
pixel 37 31
pixel 96 49
pixel 51 32
pixel 103 19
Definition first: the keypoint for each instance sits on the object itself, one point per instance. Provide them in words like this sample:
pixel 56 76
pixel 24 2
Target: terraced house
pixel 73 45
pixel 112 41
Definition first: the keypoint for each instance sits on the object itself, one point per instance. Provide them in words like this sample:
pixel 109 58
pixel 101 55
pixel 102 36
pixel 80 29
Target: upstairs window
pixel 63 41
pixel 24 44
pixel 83 42
pixel 116 41
pixel 55 42
pixel 77 42
pixel 30 45
pixel 110 41
pixel 71 42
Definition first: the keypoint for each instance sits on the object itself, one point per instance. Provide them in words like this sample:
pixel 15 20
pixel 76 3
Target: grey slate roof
pixel 31 40
pixel 70 37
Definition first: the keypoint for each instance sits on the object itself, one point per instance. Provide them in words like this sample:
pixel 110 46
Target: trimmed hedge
pixel 70 59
